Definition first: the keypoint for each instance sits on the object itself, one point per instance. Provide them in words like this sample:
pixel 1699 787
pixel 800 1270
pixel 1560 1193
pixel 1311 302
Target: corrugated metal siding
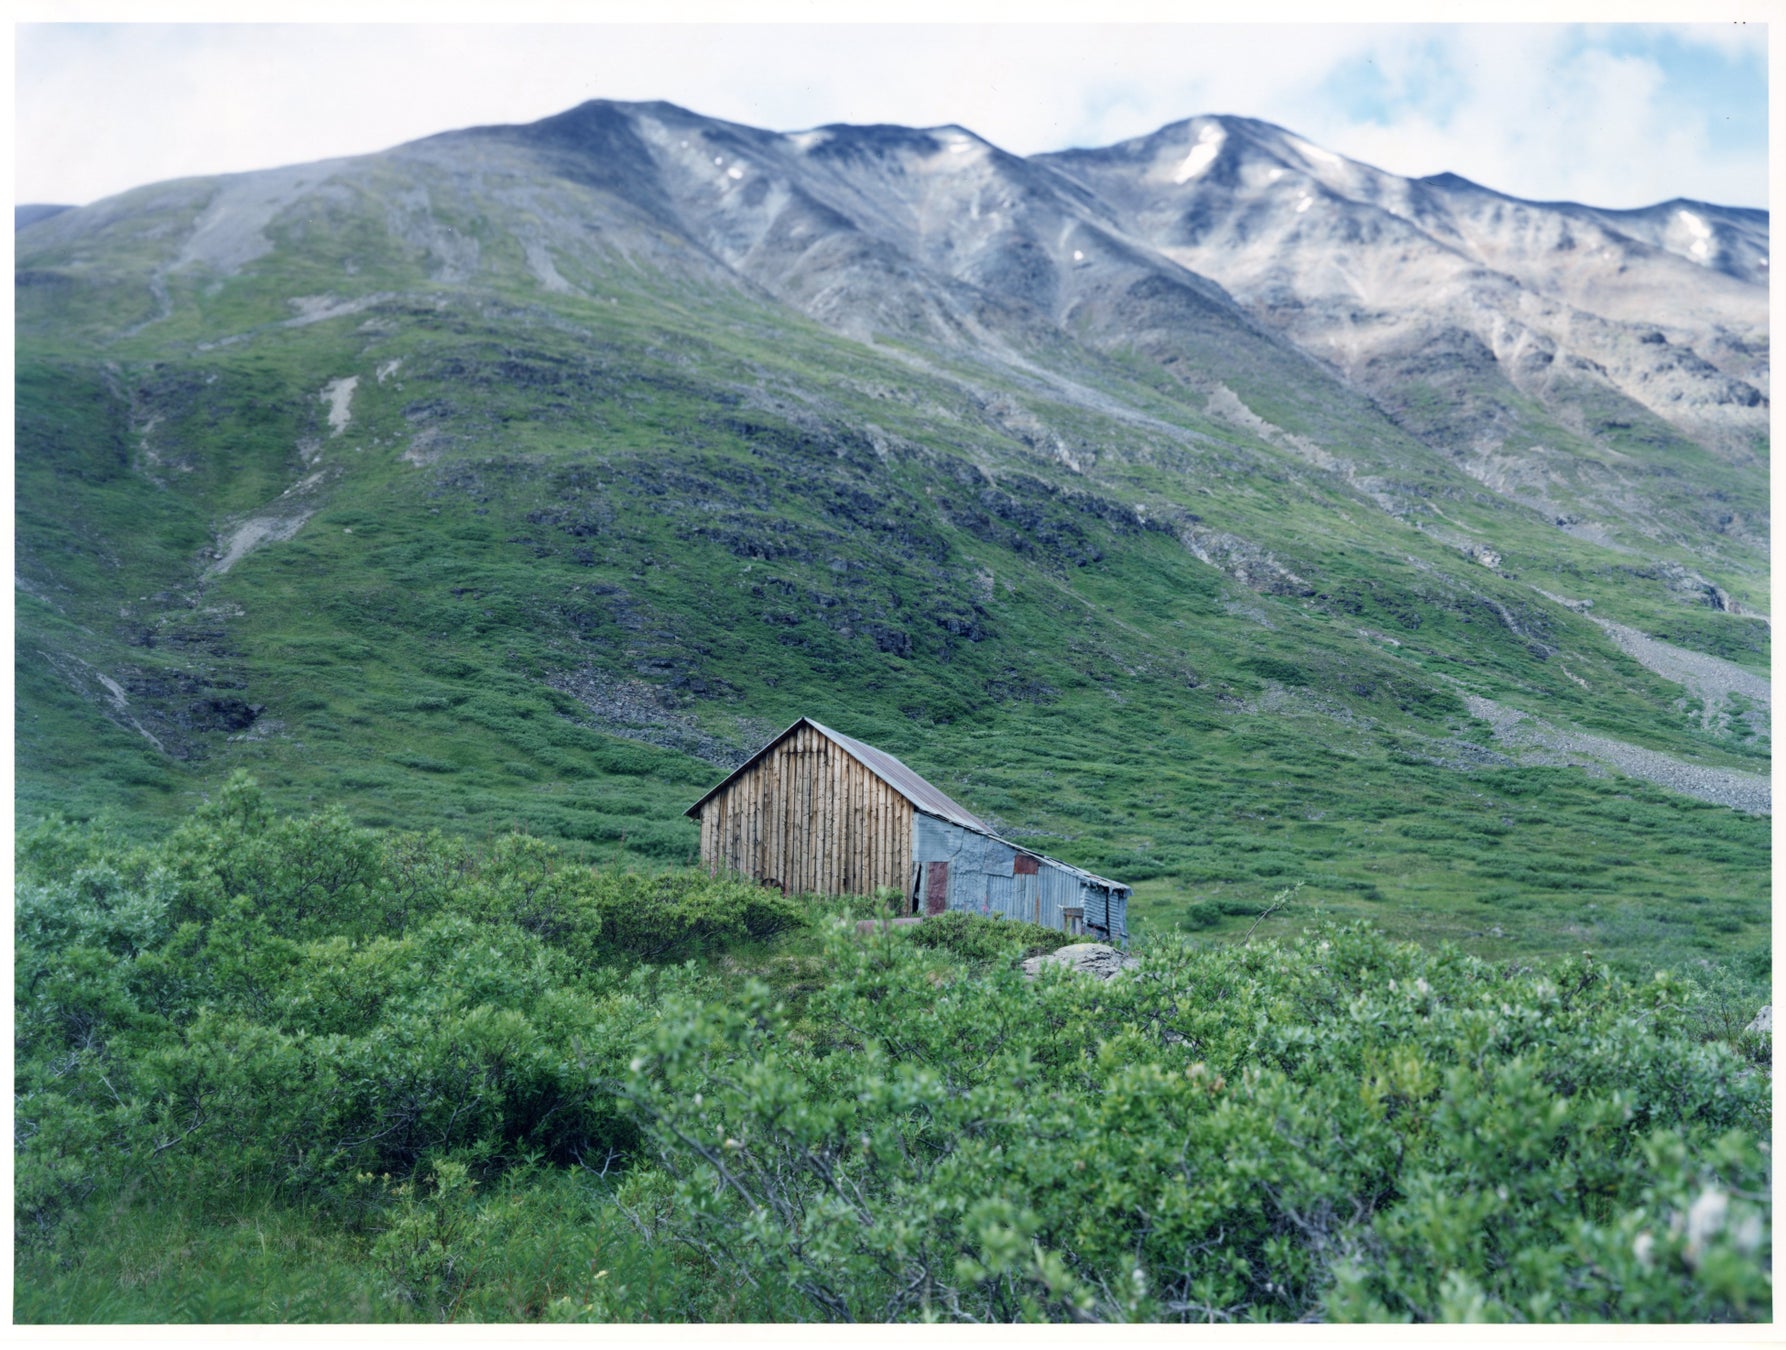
pixel 975 860
pixel 1108 910
pixel 981 880
pixel 1001 898
pixel 1097 908
pixel 1060 890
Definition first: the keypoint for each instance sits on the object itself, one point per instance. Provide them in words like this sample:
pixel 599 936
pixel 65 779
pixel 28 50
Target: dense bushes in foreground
pixel 1336 1127
pixel 284 1003
pixel 461 1083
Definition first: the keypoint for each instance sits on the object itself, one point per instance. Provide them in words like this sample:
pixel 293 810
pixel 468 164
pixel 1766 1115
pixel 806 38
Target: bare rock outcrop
pixel 1093 958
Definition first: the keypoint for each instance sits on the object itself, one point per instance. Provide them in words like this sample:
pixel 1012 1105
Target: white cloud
pixel 1540 118
pixel 102 109
pixel 1734 40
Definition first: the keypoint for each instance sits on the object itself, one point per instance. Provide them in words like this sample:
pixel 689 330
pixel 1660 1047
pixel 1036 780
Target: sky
pixel 1613 115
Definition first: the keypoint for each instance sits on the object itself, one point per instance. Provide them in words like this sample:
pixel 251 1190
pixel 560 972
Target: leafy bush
pixel 470 1075
pixel 885 902
pixel 1201 914
pixel 984 940
pixel 1338 1128
pixel 267 1001
pixel 654 918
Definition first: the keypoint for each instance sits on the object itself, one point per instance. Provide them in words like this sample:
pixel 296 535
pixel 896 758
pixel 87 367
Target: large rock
pixel 1094 958
pixel 1764 1021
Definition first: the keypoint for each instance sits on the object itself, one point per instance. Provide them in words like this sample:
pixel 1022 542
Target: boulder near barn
pixel 817 811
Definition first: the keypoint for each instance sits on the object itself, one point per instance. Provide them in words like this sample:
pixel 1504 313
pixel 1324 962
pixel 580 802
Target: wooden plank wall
pixel 808 816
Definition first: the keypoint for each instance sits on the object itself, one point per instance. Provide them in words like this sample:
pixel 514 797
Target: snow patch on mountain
pixel 1208 146
pixel 1316 153
pixel 1699 233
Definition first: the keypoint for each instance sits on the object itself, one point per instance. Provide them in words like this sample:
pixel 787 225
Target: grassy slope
pixel 691 502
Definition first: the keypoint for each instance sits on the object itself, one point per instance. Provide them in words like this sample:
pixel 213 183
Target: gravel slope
pixel 1712 679
pixel 1533 741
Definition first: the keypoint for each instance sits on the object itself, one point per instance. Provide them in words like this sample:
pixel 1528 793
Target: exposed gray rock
pixel 1711 679
pixel 231 231
pixel 1764 1021
pixel 1489 305
pixel 638 710
pixel 1093 958
pixel 1532 740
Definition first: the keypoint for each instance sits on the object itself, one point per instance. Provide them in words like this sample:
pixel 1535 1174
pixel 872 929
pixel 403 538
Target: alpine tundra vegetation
pixel 1370 572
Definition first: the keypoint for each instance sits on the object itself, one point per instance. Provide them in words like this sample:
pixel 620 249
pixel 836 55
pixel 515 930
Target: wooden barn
pixel 815 810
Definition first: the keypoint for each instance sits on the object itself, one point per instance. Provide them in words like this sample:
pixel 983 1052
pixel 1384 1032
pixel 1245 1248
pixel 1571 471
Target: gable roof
pixel 923 796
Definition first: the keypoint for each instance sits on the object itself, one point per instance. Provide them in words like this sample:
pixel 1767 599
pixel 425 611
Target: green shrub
pixel 475 1077
pixel 1338 1128
pixel 983 939
pixel 676 915
pixel 1201 914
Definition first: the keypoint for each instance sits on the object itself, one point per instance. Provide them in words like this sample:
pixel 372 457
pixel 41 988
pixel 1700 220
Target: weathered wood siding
pixel 808 816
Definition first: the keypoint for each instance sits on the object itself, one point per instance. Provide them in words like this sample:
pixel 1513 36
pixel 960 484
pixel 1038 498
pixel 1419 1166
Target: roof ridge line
pixel 889 768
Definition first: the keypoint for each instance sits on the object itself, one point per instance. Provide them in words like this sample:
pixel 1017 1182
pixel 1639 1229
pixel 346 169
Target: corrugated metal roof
pixel 907 784
pixel 1092 877
pixel 922 795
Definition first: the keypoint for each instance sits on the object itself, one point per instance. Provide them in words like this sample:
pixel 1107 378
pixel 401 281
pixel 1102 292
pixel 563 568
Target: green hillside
pixel 563 554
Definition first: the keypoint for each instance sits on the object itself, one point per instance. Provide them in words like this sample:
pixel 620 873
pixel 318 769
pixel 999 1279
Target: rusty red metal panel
pixel 1025 865
pixel 936 887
